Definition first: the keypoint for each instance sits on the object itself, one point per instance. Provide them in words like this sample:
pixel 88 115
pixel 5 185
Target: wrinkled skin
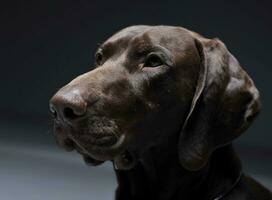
pixel 163 104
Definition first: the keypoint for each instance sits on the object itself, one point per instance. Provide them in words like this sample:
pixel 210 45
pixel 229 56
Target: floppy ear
pixel 224 105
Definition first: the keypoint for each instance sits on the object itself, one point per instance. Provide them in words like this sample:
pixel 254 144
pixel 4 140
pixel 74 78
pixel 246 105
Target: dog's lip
pixel 88 149
pixel 103 142
pixel 118 143
pixel 91 161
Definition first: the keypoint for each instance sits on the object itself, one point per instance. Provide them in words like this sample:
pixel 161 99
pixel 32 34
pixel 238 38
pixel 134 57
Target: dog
pixel 163 104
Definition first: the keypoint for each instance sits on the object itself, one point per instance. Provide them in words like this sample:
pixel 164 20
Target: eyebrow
pixel 142 49
pixel 139 49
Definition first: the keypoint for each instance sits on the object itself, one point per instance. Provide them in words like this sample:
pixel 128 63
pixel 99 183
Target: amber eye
pixel 98 57
pixel 153 60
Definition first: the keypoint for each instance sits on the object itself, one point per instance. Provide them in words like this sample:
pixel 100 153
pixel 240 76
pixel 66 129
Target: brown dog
pixel 163 104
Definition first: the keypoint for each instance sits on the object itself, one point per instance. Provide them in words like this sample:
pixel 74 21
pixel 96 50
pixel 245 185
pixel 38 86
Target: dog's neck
pixel 158 175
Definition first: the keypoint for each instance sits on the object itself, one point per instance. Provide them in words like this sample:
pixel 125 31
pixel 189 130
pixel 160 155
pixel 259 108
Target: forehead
pixel 173 38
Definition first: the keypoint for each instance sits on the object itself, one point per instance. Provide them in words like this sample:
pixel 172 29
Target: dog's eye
pixel 153 60
pixel 98 57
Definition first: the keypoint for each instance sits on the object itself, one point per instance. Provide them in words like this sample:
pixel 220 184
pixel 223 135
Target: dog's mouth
pixel 99 142
pixel 97 153
pixel 104 149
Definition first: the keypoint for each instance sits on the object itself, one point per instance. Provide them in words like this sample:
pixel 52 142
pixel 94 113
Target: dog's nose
pixel 68 106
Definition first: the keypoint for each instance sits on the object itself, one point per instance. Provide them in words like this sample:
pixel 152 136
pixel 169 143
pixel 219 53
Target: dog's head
pixel 149 81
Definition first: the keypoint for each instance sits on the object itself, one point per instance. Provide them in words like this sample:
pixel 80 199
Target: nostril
pixel 69 113
pixel 53 111
pixel 55 114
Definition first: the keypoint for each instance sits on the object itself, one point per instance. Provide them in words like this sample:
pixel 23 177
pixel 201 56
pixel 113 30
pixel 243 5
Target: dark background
pixel 44 44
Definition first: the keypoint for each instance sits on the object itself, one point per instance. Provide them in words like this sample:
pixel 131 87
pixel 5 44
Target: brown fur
pixel 163 104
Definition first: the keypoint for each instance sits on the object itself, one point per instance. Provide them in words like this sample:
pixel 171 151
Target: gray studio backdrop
pixel 44 44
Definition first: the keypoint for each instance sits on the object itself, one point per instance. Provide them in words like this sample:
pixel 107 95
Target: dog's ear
pixel 224 105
